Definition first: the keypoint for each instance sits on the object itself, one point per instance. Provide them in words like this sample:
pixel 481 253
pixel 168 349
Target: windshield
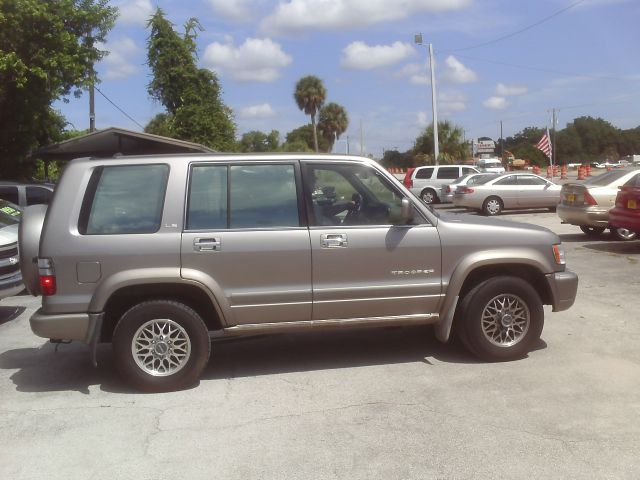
pixel 9 213
pixel 485 178
pixel 606 178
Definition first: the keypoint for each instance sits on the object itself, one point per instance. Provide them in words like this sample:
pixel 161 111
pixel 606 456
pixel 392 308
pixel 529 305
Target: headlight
pixel 558 254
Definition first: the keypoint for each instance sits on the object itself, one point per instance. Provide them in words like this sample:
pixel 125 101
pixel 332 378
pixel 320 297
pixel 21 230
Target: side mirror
pixel 406 211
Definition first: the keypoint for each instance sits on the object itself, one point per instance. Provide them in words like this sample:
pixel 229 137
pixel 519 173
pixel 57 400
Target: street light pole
pixel 434 107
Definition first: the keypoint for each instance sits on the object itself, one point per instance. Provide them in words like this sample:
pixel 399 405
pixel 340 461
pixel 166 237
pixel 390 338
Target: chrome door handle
pixel 206 244
pixel 333 240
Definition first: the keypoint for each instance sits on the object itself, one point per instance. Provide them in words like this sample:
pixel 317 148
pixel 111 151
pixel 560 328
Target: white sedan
pixel 508 191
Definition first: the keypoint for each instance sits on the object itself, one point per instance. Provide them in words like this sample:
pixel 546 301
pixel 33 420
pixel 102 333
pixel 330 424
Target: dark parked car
pixel 626 213
pixel 24 194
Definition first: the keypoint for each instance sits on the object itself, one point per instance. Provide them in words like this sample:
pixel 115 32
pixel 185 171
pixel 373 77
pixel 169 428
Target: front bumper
pixel 83 327
pixel 580 216
pixel 563 286
pixel 12 285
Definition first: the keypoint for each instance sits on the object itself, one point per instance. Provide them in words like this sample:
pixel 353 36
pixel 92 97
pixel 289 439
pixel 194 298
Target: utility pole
pixel 92 109
pixel 347 144
pixel 436 150
pixel 553 145
pixel 361 139
pixel 501 145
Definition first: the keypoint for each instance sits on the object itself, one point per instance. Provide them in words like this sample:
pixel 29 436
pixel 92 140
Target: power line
pixel 121 110
pixel 517 32
pixel 548 70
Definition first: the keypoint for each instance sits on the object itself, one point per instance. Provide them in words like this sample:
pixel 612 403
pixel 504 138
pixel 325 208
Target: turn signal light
pixel 48 285
pixel 558 254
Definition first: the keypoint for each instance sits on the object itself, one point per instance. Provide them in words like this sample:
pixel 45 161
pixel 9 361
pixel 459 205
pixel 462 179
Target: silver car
pixel 587 204
pixel 446 194
pixel 508 191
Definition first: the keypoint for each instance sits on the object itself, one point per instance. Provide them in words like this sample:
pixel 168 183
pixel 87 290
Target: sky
pixel 495 60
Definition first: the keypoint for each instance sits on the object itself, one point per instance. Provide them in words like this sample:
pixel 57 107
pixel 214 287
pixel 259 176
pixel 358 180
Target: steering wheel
pixel 355 207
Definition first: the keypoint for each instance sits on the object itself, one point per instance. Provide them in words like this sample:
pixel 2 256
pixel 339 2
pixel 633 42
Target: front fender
pixel 493 258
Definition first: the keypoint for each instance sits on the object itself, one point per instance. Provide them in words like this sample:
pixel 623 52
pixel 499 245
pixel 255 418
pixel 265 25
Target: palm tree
pixel 310 95
pixel 333 122
pixel 450 139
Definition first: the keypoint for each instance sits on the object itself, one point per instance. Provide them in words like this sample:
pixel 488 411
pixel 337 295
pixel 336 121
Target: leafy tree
pixel 47 51
pixel 256 141
pixel 450 138
pixel 396 159
pixel 191 95
pixel 310 95
pixel 523 145
pixel 304 136
pixel 333 121
pixel 161 124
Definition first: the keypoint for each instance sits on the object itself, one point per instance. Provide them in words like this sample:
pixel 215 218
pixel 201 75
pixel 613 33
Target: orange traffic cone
pixel 581 173
pixel 563 172
pixel 536 170
pixel 555 170
pixel 548 172
pixel 588 167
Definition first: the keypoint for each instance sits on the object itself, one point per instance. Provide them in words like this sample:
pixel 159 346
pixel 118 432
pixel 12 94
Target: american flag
pixel 545 144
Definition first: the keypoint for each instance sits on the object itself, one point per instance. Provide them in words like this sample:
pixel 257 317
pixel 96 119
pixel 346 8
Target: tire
pixel 178 335
pixel 492 206
pixel 429 196
pixel 592 231
pixel 623 234
pixel 500 335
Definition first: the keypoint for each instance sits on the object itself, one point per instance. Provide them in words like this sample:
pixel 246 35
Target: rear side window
pixel 124 199
pixel 467 170
pixel 634 181
pixel 448 173
pixel 510 180
pixel 38 195
pixel 242 196
pixel 530 180
pixel 10 194
pixel 424 173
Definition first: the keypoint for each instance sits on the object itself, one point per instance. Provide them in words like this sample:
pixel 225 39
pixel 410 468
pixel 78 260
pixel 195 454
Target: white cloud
pixel 134 12
pixel 118 61
pixel 360 56
pixel 423 119
pixel 510 90
pixel 420 79
pixel 257 111
pixel 256 60
pixel 235 10
pixel 496 103
pixel 416 73
pixel 301 16
pixel 456 72
pixel 450 102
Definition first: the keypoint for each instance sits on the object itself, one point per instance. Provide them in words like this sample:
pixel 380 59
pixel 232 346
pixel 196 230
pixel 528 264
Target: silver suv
pixel 426 182
pixel 157 254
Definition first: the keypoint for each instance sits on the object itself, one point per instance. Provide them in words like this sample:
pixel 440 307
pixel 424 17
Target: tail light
pixel 448 189
pixel 588 199
pixel 465 190
pixel 408 181
pixel 47 276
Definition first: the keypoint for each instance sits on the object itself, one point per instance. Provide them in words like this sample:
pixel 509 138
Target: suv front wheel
pixel 500 318
pixel 161 345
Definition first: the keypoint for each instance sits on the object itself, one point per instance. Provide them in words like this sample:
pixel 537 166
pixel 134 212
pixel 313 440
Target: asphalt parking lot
pixel 380 403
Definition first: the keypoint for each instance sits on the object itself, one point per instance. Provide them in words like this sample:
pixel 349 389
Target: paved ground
pixel 390 403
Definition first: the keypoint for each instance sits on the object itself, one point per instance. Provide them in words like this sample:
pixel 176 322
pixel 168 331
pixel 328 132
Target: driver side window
pixel 344 194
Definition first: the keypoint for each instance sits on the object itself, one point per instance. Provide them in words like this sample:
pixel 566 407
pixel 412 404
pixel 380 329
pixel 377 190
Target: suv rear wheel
pixel 429 196
pixel 161 345
pixel 592 231
pixel 500 318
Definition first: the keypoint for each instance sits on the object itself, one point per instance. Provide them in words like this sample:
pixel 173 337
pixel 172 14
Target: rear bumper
pixel 68 326
pixel 564 287
pixel 588 217
pixel 625 218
